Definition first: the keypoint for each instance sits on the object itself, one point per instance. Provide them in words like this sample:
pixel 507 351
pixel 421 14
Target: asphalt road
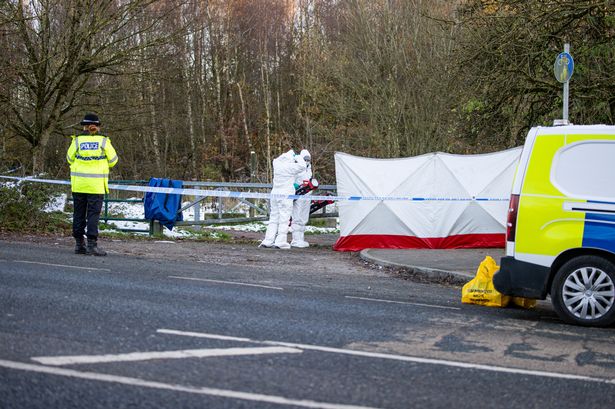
pixel 127 332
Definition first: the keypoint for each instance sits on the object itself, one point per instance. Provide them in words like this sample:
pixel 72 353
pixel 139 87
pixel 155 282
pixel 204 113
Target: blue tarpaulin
pixel 163 206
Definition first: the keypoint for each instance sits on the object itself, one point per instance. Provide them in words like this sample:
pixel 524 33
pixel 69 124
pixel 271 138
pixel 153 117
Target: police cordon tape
pixel 269 196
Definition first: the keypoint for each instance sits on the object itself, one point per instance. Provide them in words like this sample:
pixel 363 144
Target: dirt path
pixel 242 250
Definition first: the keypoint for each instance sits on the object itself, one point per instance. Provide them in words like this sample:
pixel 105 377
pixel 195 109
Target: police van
pixel 560 237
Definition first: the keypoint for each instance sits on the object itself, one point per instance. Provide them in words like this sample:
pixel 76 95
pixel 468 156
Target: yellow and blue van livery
pixel 599 229
pixel 561 223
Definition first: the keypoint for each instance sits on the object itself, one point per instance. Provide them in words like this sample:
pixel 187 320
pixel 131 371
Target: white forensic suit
pixel 286 167
pixel 301 208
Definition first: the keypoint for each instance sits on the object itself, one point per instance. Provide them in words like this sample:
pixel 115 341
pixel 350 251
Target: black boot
pixel 93 249
pixel 80 246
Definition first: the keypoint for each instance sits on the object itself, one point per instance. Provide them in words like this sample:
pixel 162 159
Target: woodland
pixel 187 89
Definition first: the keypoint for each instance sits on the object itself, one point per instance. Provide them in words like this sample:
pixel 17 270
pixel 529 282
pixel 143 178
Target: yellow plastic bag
pixel 527 303
pixel 480 289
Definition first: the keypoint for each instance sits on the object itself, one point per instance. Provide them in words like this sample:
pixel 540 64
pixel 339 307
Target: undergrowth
pixel 21 211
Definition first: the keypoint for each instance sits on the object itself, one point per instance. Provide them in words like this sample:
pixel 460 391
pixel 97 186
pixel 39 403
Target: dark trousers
pixel 86 213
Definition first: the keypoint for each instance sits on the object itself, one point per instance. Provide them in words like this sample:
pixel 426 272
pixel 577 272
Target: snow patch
pixel 56 204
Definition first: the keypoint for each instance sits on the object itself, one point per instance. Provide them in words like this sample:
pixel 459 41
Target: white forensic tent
pixel 453 201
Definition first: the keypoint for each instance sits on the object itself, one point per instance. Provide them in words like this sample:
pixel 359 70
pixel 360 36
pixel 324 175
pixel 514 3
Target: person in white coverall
pixel 301 208
pixel 286 167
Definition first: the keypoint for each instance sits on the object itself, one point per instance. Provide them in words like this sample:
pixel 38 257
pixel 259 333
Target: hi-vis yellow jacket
pixel 90 157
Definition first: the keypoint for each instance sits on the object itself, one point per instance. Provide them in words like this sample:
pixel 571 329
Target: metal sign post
pixel 563 68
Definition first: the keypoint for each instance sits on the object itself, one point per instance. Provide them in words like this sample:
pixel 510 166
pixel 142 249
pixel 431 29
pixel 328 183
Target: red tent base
pixel 383 241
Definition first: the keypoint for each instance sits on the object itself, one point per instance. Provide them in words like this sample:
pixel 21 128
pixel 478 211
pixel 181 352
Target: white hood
pixel 286 168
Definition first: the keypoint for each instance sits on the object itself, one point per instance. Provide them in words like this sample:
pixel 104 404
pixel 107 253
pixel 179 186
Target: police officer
pixel 90 156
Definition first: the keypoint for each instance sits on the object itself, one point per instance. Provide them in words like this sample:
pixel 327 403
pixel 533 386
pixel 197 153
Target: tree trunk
pixel 154 126
pixel 245 122
pixel 191 132
pixel 265 87
pixel 190 96
pixel 38 152
pixel 38 155
pixel 220 117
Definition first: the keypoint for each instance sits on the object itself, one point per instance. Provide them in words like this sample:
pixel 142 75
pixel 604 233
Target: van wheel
pixel 583 291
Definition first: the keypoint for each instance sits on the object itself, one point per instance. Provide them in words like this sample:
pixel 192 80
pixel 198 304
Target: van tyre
pixel 583 291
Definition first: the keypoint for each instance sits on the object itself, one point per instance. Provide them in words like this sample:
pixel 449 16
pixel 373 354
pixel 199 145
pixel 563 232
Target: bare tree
pixel 58 46
pixel 506 53
pixel 374 78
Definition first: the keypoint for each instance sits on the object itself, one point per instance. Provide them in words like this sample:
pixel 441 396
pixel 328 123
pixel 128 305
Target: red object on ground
pixel 359 242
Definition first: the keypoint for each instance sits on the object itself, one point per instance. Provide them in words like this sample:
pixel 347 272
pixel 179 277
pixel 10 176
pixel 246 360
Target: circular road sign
pixel 563 67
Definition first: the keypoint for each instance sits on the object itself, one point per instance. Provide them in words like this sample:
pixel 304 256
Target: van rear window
pixel 586 170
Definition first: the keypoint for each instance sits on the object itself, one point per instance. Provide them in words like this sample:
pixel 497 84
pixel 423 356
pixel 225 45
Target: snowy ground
pixel 136 211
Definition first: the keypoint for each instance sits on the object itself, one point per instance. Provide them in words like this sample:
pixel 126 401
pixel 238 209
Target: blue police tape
pixel 256 195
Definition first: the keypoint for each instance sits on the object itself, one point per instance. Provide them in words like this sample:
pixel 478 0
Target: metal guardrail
pixel 105 217
pixel 226 208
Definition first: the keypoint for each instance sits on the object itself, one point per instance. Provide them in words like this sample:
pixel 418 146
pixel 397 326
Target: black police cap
pixel 90 119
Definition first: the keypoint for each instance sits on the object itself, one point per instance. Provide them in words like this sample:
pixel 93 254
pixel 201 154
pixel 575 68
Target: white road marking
pixel 61 265
pixel 146 356
pixel 403 358
pixel 403 302
pixel 226 282
pixel 224 393
pixel 208 336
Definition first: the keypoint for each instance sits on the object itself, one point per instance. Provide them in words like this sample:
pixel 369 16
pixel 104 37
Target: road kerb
pixel 453 277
